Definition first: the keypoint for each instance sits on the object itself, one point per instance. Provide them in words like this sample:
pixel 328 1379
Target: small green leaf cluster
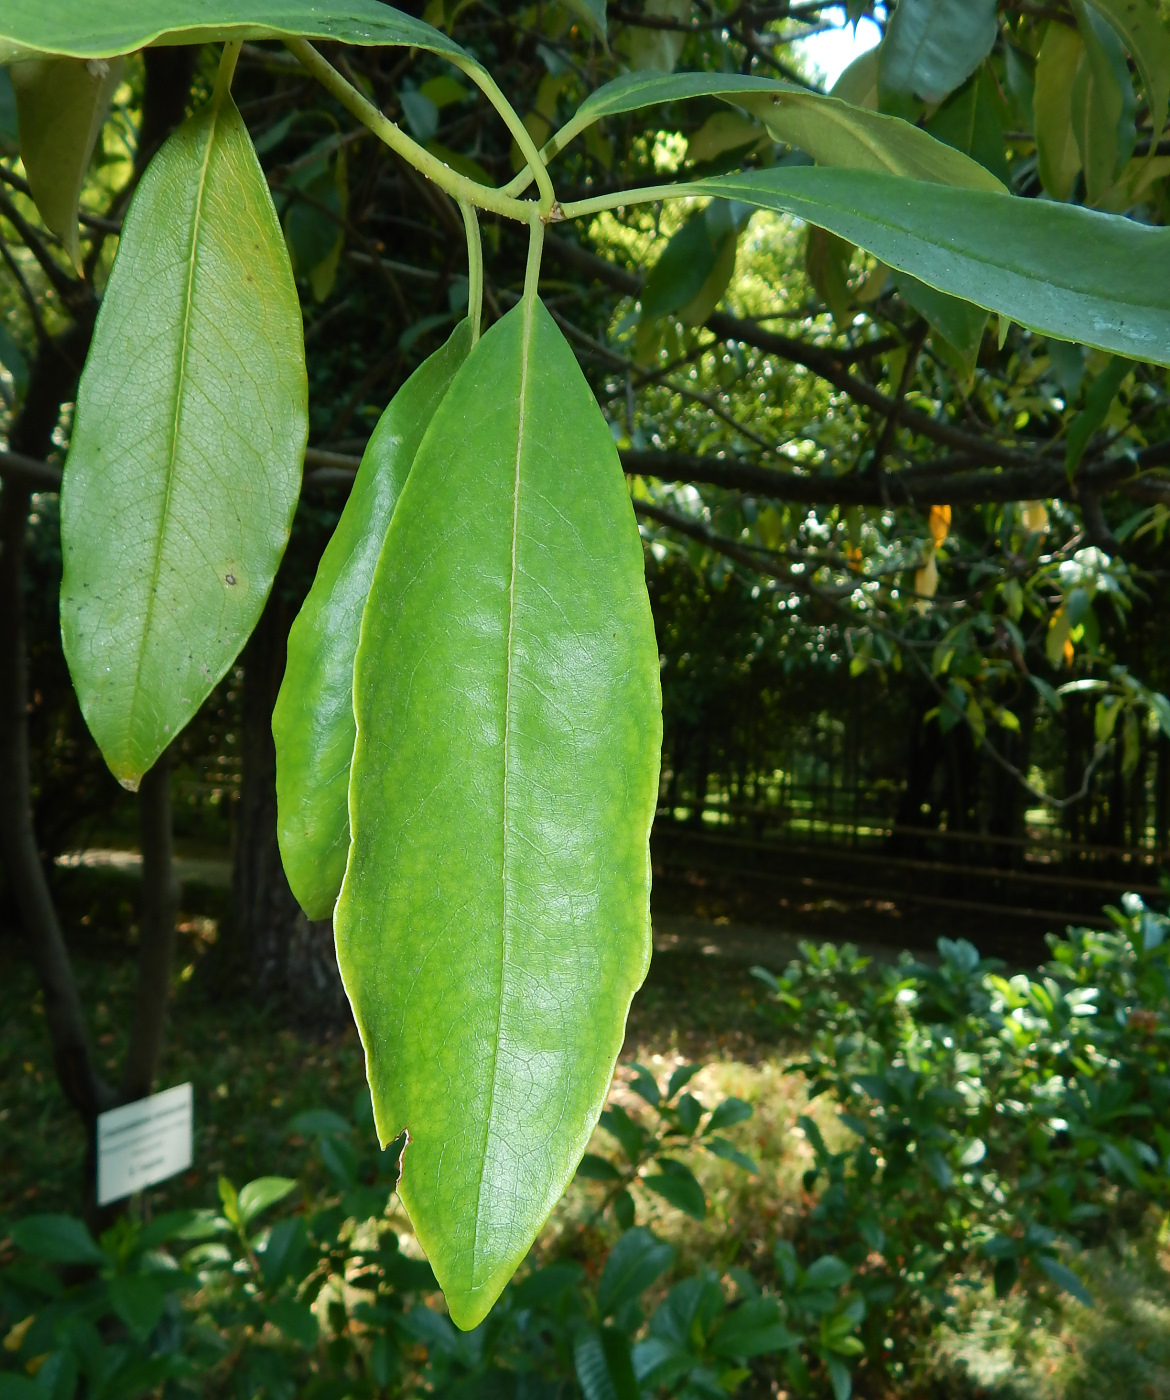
pixel 649 1149
pixel 992 1125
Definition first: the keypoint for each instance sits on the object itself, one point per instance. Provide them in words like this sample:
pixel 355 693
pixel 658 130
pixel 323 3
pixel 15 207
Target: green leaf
pixel 592 14
pixel 1058 156
pixel 9 133
pixel 122 26
pixel 601 1358
pixel 313 722
pixel 956 326
pixel 752 1329
pixel 617 1121
pixel 494 920
pixel 60 106
pixel 185 464
pixel 634 1263
pixel 60 1239
pixel 1103 105
pixel 721 1147
pixel 265 1191
pixel 970 121
pixel 295 1320
pixel 320 1122
pixel 1143 31
pixel 694 268
pixel 677 1184
pixel 314 226
pixel 933 46
pixel 1067 272
pixel 728 1113
pixel 594 1168
pixel 827 1272
pixel 286 1243
pixel 139 1300
pixel 1065 1279
pixel 680 1078
pixel 840 1376
pixel 13 360
pixel 1098 398
pixel 858 82
pixel 833 132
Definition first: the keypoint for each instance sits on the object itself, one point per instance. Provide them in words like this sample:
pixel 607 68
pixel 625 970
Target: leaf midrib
pixel 179 397
pixel 522 408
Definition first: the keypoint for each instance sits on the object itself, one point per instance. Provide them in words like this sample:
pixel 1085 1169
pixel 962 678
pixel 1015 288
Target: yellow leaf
pixel 15 1338
pixel 1067 651
pixel 940 523
pixel 926 579
pixel 1034 516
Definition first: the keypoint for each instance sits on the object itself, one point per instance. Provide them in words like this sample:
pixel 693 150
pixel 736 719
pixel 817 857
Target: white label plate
pixel 142 1143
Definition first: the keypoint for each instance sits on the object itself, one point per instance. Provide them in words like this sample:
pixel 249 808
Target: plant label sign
pixel 142 1143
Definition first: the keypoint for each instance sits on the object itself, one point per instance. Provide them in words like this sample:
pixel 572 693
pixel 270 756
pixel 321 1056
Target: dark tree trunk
pixel 291 959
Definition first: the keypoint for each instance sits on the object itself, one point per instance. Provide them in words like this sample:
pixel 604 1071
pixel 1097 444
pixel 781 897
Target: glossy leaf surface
pixel 932 46
pixel 1058 156
pixel 494 920
pixel 1103 105
pixel 1068 272
pixel 60 108
pixel 185 462
pixel 313 722
pixel 1143 29
pixel 121 26
pixel 836 133
pixel 833 132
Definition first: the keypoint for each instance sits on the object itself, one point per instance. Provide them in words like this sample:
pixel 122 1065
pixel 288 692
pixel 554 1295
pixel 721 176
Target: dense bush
pixel 325 1303
pixel 989 1124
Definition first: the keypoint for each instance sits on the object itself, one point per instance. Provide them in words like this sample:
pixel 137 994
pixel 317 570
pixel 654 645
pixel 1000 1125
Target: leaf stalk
pixel 474 268
pixel 456 185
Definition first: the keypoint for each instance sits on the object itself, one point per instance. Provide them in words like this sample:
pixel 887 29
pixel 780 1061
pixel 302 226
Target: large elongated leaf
pixel 1102 105
pixel 1144 32
pixel 121 26
pixel 61 105
pixel 933 46
pixel 833 132
pixel 1065 271
pixel 185 463
pixel 313 722
pixel 1058 156
pixel 837 133
pixel 494 921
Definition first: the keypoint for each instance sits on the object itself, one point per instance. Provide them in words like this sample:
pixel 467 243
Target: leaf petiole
pixel 227 68
pixel 474 268
pixel 456 185
pixel 535 168
pixel 532 271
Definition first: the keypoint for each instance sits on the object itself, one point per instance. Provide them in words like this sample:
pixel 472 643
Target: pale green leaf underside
pixel 185 462
pixel 313 722
pixel 1061 270
pixel 494 920
pixel 60 106
pixel 99 30
pixel 830 130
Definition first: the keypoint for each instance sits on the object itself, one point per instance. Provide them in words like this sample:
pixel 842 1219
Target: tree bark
pixel 156 949
pixel 53 378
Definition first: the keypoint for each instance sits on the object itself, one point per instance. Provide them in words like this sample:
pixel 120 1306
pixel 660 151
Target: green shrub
pixel 992 1124
pixel 322 1302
